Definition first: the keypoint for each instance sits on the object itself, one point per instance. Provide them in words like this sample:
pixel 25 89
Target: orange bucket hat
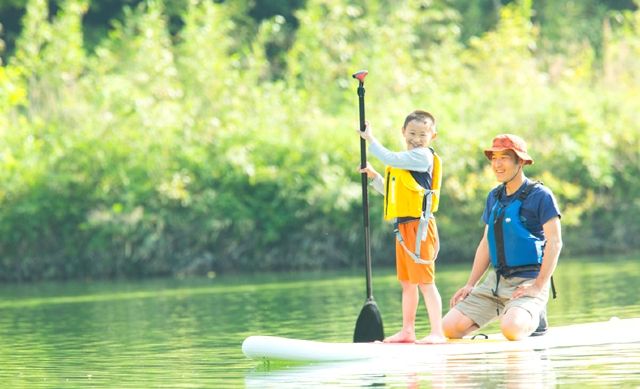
pixel 510 142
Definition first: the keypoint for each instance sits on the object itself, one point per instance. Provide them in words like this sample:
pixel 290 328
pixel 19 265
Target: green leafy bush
pixel 161 154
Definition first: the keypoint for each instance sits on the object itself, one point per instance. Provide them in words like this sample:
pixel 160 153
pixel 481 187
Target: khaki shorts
pixel 483 307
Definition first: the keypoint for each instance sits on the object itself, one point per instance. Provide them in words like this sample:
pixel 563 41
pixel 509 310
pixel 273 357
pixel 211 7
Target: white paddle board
pixel 286 349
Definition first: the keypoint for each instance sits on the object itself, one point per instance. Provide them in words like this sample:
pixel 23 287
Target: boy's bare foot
pixel 432 339
pixel 403 336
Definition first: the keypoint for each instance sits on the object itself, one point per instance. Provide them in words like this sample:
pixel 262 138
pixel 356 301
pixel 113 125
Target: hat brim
pixel 522 155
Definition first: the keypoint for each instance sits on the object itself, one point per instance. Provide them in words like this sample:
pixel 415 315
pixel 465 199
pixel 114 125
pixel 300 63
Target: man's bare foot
pixel 432 339
pixel 403 336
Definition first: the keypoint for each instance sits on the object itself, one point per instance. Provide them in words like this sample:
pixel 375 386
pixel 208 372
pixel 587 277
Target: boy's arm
pixel 377 181
pixel 419 159
pixel 378 184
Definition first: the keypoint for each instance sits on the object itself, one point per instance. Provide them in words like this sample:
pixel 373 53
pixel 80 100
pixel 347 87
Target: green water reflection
pixel 187 333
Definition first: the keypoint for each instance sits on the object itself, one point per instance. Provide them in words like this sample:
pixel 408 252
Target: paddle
pixel 369 324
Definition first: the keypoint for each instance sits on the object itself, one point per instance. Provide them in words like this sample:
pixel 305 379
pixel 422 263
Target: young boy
pixel 407 186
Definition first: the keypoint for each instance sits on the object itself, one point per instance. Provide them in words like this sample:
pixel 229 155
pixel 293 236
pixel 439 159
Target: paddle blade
pixel 369 326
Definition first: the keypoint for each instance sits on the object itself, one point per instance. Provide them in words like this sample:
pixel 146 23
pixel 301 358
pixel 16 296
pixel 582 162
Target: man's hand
pixel 460 295
pixel 530 290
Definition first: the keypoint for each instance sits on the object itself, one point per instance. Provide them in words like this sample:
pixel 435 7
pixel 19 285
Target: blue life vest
pixel 512 248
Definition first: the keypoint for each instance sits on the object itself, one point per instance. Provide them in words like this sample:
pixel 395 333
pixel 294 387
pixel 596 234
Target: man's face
pixel 418 134
pixel 505 165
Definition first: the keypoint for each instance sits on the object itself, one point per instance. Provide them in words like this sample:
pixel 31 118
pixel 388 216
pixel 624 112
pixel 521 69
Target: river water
pixel 187 333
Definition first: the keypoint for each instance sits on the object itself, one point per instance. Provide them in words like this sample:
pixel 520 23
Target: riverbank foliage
pixel 207 150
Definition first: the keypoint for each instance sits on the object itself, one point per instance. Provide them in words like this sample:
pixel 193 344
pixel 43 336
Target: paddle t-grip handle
pixel 360 75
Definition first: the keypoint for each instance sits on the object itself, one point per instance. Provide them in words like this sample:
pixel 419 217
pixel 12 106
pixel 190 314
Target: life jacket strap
pixel 495 293
pixel 508 272
pixel 499 240
pixel 422 234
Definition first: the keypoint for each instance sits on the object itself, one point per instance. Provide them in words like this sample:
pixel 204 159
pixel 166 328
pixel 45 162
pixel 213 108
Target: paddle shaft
pixel 365 192
pixel 369 327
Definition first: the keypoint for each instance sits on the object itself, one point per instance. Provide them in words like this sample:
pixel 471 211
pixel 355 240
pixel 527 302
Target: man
pixel 522 242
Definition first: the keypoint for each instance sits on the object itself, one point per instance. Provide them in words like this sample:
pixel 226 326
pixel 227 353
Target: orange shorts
pixel 406 267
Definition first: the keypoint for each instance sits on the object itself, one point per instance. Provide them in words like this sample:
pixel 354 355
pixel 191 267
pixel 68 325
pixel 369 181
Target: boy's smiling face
pixel 418 134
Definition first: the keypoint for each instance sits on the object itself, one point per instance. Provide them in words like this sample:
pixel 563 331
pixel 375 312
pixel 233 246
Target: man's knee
pixel 516 324
pixel 456 325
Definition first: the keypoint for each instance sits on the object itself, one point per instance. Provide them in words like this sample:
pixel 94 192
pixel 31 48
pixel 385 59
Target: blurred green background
pixel 151 138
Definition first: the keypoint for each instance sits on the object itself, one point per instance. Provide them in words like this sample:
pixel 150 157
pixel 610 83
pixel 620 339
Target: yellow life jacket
pixel 436 181
pixel 405 197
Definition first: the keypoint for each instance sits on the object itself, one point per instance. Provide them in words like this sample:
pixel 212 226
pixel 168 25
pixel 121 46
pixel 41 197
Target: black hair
pixel 422 117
